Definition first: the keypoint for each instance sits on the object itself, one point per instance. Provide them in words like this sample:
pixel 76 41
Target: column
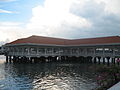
pixel 108 62
pixel 117 61
pixel 37 52
pixel 113 52
pixel 94 51
pixel 10 59
pixel 99 60
pixel 103 51
pixel 85 51
pixel 95 60
pixel 103 60
pixel 28 50
pixel 45 51
pixel 6 58
pixel 113 60
pixel 22 50
pixel 71 51
pixel 13 51
pixel 52 51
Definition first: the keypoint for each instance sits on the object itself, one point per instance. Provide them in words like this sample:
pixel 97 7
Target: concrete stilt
pixel 99 60
pixel 103 60
pixel 95 60
pixel 31 60
pixel 112 60
pixel 108 62
pixel 6 59
pixel 118 62
pixel 89 59
pixel 10 59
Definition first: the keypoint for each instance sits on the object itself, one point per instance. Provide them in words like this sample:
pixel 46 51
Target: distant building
pixel 1 50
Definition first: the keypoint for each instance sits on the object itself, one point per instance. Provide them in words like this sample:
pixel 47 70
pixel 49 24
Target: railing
pixel 63 54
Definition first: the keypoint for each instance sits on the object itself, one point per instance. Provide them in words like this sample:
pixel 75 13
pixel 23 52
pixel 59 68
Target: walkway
pixel 115 87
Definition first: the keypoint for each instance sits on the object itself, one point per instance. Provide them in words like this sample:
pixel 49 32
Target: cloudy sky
pixel 59 18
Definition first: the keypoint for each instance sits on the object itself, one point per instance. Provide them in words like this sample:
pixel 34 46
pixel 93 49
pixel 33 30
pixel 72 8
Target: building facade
pixel 103 48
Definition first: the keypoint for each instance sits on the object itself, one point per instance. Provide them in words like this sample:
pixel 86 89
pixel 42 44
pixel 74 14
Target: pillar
pixel 108 62
pixel 10 59
pixel 7 59
pixel 31 60
pixel 103 60
pixel 85 60
pixel 99 60
pixel 90 59
pixel 118 61
pixel 95 60
pixel 113 61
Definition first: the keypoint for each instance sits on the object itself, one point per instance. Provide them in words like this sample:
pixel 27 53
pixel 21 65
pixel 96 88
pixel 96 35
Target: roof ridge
pixel 47 37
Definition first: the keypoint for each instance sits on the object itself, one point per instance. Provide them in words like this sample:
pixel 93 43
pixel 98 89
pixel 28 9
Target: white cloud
pixel 3 36
pixel 5 11
pixel 7 0
pixel 10 30
pixel 4 42
pixel 54 18
pixel 111 6
pixel 10 24
pixel 76 18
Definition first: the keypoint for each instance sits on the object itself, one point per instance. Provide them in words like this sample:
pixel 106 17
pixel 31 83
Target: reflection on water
pixel 47 76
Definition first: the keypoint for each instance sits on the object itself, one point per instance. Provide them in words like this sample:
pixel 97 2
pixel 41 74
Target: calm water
pixel 46 76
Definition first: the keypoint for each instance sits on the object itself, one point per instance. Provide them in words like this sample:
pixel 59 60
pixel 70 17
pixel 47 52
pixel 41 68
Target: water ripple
pixel 46 76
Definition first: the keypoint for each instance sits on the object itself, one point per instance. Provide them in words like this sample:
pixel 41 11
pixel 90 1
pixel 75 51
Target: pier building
pixel 41 49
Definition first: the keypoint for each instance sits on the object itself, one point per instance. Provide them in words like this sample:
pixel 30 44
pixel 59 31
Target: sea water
pixel 46 76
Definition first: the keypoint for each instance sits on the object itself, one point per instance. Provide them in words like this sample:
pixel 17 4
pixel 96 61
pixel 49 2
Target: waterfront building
pixel 39 49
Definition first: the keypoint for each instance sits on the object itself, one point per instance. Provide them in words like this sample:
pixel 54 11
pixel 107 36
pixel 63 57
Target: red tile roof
pixel 100 40
pixel 58 41
pixel 40 40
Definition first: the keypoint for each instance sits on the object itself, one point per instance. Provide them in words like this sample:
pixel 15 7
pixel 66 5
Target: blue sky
pixel 59 18
pixel 22 9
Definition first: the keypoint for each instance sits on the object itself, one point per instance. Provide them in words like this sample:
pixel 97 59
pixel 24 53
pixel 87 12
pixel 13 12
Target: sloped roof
pixel 57 41
pixel 100 40
pixel 40 40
